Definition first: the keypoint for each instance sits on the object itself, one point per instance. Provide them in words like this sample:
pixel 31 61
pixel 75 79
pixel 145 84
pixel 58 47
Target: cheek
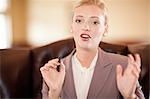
pixel 99 31
pixel 75 30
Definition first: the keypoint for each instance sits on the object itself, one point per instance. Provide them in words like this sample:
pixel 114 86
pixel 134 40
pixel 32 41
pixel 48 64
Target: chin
pixel 86 46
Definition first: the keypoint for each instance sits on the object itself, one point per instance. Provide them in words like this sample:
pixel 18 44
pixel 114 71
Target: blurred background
pixel 32 23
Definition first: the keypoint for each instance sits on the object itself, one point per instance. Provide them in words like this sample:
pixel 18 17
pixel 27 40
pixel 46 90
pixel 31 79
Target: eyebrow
pixel 94 17
pixel 79 16
pixel 90 17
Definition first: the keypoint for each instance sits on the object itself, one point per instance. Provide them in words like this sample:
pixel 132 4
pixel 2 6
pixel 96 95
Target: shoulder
pixel 67 60
pixel 116 59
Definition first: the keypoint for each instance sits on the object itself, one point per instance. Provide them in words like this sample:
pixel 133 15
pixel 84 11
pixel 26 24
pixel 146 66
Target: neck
pixel 86 56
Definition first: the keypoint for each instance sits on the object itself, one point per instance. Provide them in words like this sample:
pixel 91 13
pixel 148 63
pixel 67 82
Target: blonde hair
pixel 99 3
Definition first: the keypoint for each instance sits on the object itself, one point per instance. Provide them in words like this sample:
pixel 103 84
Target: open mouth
pixel 85 36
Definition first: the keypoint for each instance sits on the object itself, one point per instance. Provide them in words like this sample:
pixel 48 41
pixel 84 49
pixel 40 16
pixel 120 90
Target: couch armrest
pixel 15 71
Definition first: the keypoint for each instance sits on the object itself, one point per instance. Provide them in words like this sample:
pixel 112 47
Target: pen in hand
pixel 60 56
pixel 58 67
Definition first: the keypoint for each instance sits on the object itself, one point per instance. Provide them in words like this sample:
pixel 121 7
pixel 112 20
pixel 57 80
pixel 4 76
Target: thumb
pixel 119 71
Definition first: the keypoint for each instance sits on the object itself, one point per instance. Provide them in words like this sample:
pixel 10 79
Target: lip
pixel 85 35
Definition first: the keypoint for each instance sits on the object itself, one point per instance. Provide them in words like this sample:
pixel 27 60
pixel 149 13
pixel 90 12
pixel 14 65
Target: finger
pixel 131 58
pixel 54 63
pixel 48 66
pixel 119 71
pixel 52 66
pixel 130 61
pixel 42 69
pixel 137 67
pixel 132 66
pixel 45 67
pixel 53 60
pixel 135 63
pixel 138 59
pixel 135 73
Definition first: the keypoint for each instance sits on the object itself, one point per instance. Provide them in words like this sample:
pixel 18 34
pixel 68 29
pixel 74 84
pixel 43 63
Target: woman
pixel 89 72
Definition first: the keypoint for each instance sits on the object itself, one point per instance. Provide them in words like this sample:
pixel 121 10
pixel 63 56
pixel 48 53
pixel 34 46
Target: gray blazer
pixel 103 84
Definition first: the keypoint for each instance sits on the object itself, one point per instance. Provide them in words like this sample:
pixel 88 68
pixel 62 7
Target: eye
pixel 95 22
pixel 78 21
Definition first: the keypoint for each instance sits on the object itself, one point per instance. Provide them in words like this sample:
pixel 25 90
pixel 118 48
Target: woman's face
pixel 88 26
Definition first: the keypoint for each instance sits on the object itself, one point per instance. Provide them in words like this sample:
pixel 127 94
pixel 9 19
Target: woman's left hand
pixel 127 79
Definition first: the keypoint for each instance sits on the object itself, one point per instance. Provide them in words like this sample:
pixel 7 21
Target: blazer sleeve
pixel 139 92
pixel 44 91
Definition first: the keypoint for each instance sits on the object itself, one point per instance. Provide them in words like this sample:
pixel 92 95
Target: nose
pixel 86 26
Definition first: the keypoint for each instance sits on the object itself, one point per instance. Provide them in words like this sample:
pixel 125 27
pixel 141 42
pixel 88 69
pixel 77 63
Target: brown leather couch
pixel 15 73
pixel 19 68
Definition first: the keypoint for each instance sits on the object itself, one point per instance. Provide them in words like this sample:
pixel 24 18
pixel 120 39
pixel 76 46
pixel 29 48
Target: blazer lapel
pixel 69 86
pixel 102 70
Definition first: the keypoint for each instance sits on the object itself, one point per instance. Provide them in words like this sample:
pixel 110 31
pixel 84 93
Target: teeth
pixel 85 36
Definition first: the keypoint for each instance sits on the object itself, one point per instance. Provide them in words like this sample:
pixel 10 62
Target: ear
pixel 71 29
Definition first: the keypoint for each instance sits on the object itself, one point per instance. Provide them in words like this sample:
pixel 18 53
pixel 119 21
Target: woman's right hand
pixel 52 77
